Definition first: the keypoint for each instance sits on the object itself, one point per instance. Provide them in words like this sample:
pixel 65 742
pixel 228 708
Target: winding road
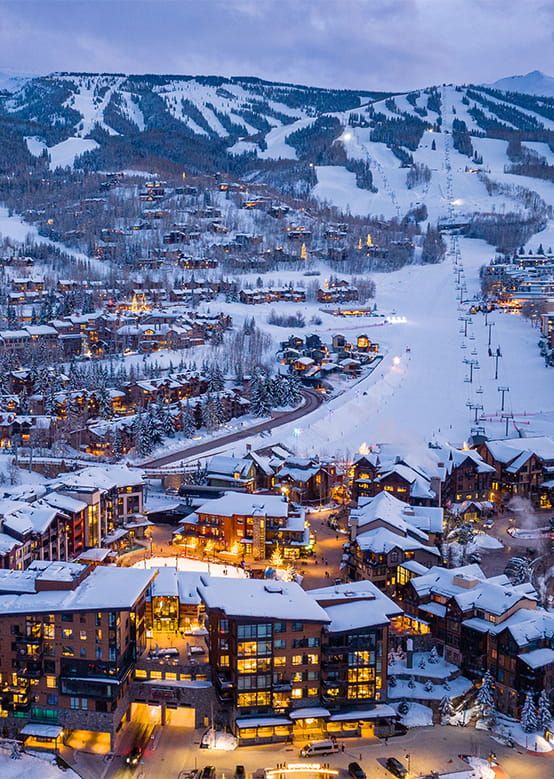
pixel 312 401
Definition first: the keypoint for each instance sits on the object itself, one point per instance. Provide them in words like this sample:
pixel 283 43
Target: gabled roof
pixel 416 520
pixel 381 541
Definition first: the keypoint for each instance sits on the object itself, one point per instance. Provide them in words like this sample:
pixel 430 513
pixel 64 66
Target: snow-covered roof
pixel 381 541
pixel 379 710
pixel 261 599
pixel 245 504
pixel 400 515
pixel 105 477
pixel 314 712
pixel 507 450
pixel 538 658
pixel 355 605
pixel 64 502
pixel 228 466
pixel 105 587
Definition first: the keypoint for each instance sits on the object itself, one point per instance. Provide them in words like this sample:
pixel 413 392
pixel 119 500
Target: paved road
pixel 435 748
pixel 312 400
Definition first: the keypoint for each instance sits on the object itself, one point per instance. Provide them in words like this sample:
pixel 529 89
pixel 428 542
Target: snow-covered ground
pixel 418 716
pixel 192 566
pixel 30 766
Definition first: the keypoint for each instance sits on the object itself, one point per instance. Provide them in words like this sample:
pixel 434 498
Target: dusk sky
pixel 367 44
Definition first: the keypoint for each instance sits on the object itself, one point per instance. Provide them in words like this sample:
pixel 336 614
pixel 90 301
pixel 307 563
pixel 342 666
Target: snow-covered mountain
pixel 209 106
pixel 361 151
pixel 11 81
pixel 533 83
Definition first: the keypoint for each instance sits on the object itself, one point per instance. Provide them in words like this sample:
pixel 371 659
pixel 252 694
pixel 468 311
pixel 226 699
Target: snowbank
pixel 30 766
pixel 418 716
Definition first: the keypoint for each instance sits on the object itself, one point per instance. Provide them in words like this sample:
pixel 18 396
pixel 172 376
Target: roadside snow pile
pixel 417 716
pixel 507 728
pixel 214 739
pixel 480 769
pixel 484 541
pixel 29 766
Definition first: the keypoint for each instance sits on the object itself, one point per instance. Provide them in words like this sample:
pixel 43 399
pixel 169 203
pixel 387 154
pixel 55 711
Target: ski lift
pixel 479 390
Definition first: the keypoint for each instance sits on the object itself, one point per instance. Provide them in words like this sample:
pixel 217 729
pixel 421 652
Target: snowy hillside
pixel 208 106
pixel 533 83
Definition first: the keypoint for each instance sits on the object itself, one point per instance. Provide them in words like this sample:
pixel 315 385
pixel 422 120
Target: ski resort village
pixel 276 428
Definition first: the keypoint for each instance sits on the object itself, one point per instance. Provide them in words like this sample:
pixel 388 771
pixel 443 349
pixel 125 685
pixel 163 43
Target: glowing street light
pixel 396 360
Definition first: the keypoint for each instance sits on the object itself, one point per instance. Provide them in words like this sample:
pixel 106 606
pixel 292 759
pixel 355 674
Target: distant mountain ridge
pixel 534 83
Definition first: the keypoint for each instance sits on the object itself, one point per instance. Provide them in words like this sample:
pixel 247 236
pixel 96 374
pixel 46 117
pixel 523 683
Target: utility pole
pixel 490 325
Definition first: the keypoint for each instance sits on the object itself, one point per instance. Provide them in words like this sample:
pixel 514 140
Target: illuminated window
pixel 155 674
pixel 279 660
pixel 140 674
pixel 254 699
pixel 68 651
pixel 67 632
pixel 297 659
pixel 83 635
pixel 313 659
pixel 50 681
pixel 224 661
pixel 296 692
pixel 312 692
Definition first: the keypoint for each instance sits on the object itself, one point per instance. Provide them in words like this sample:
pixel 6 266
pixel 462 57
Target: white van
pixel 326 747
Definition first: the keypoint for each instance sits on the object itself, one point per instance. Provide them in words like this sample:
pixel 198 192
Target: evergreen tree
pixel 294 390
pixel 259 401
pixel 529 721
pixel 209 415
pixel 219 411
pixel 434 655
pixel 104 403
pixel 517 570
pixel 117 443
pixel 188 422
pixel 446 710
pixel 544 715
pixel 216 382
pixel 50 404
pixel 485 694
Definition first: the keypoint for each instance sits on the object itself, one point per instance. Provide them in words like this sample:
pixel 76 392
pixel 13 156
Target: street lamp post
pixel 497 356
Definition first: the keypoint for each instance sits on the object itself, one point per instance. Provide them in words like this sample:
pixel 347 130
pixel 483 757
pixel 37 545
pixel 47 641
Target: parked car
pixel 326 747
pixel 134 755
pixel 488 523
pixel 356 771
pixel 395 767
